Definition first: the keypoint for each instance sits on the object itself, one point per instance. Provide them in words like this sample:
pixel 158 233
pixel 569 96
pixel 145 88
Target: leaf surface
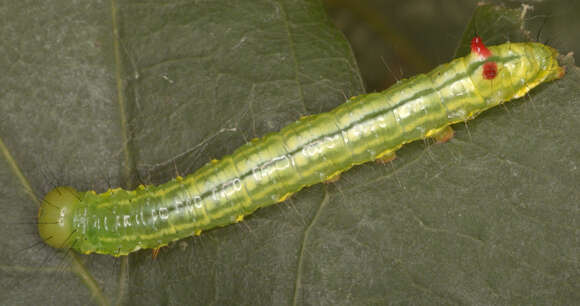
pixel 99 96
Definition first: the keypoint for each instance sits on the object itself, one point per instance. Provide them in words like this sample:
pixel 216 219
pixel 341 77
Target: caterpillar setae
pixel 311 150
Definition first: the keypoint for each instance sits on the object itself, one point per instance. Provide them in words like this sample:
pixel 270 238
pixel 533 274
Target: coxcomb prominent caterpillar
pixel 314 149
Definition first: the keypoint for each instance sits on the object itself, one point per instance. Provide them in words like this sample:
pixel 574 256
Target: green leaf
pixel 99 96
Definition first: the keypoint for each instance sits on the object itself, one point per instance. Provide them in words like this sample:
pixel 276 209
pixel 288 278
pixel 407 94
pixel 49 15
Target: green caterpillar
pixel 314 149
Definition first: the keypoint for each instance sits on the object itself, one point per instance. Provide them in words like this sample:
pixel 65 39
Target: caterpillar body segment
pixel 314 149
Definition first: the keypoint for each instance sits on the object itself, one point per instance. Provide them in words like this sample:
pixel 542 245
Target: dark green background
pixel 489 218
pixel 414 36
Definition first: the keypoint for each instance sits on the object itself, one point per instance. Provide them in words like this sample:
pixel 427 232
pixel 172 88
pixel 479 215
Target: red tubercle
pixel 478 47
pixel 489 70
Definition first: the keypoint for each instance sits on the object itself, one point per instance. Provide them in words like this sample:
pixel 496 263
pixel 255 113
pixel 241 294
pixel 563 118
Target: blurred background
pixel 397 39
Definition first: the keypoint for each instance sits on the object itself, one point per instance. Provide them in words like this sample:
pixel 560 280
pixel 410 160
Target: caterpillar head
pixel 509 71
pixel 55 223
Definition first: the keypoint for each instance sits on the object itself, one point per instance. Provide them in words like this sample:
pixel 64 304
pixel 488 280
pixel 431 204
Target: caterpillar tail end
pixel 561 72
pixel 555 71
pixel 54 217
